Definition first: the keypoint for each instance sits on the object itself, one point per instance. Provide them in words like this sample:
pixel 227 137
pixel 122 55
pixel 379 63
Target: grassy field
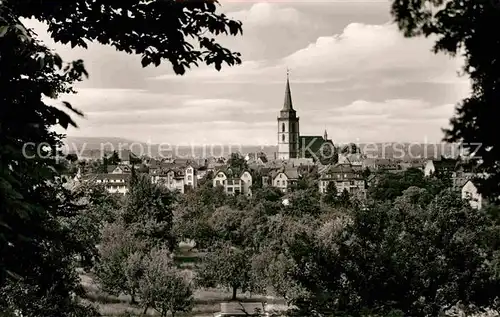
pixel 207 301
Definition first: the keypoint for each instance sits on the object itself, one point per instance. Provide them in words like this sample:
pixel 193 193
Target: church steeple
pixel 325 135
pixel 288 94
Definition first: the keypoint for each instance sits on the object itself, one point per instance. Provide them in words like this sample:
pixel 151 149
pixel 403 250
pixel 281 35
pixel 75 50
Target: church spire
pixel 325 135
pixel 288 94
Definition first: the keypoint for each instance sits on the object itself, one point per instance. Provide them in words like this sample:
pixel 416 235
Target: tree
pixel 392 185
pixel 344 199
pixel 148 212
pixel 113 159
pixel 330 197
pixel 237 162
pixel 96 208
pixel 226 224
pixel 303 202
pixel 226 266
pixel 38 245
pixel 37 248
pixel 162 287
pixel 157 30
pixel 462 28
pixel 120 266
pixel 402 257
pixel 72 157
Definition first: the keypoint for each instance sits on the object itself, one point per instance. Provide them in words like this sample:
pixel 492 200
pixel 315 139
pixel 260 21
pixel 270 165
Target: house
pixel 345 177
pixel 471 193
pixel 233 182
pixel 190 176
pixel 284 178
pixel 118 169
pixel 175 178
pixel 114 183
pixel 441 166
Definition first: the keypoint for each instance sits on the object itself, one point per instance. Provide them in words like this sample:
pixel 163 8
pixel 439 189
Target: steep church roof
pixel 288 95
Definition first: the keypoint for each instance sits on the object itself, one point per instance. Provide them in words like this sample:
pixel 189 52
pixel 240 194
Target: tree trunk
pixel 132 298
pixel 145 310
pixel 234 293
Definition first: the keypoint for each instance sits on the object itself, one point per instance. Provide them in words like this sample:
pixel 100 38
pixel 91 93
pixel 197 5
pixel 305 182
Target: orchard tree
pixel 36 250
pixel 225 266
pixel 119 268
pixel 463 28
pixel 163 287
pixel 148 212
pixel 226 224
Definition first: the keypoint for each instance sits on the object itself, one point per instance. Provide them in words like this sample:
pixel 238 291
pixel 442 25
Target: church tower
pixel 288 127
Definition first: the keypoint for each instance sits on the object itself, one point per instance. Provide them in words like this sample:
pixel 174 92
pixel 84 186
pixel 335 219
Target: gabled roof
pixel 347 171
pixel 111 168
pixel 291 173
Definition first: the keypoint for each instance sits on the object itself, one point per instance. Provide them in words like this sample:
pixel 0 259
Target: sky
pixel 351 73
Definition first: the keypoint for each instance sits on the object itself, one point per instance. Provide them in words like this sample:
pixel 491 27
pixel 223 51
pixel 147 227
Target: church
pixel 291 145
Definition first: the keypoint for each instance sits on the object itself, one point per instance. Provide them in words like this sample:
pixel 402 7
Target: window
pixel 278 182
pixel 283 127
pixel 283 137
pixel 189 178
pixel 189 171
pixel 217 183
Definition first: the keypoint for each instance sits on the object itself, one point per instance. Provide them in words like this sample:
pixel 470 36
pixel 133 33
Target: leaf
pixel 145 61
pixel 69 106
pixel 3 30
pixel 58 61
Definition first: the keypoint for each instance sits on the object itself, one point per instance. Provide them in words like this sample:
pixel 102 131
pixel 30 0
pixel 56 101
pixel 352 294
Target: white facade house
pixel 176 179
pixel 234 184
pixel 285 178
pixel 190 176
pixel 429 168
pixel 114 183
pixel 471 193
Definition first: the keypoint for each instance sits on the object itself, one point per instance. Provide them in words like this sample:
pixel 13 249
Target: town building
pixel 345 177
pixel 442 166
pixel 291 144
pixel 284 178
pixel 175 177
pixel 113 183
pixel 471 193
pixel 233 182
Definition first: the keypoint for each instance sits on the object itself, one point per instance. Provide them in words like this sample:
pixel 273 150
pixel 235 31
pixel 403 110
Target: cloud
pixel 265 14
pixel 390 120
pixel 366 54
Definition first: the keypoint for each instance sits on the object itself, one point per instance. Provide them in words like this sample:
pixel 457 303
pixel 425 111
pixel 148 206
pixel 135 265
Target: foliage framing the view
pixel 38 239
pixel 465 28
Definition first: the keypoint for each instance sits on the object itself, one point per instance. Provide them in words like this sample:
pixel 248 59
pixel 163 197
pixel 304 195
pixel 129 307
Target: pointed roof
pixel 288 94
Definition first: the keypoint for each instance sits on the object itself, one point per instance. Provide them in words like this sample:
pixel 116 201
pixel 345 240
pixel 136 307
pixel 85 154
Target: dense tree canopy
pixel 464 28
pixel 398 257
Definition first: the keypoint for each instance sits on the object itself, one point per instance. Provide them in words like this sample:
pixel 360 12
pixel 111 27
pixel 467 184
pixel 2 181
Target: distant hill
pixel 95 147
